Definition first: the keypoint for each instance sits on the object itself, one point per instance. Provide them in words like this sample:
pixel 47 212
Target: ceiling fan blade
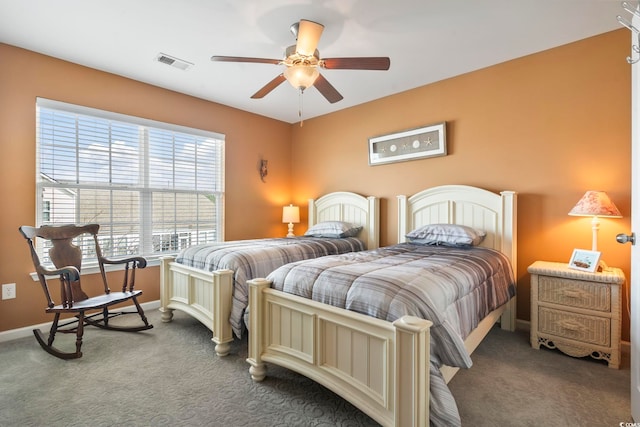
pixel 309 33
pixel 269 87
pixel 327 90
pixel 362 63
pixel 245 59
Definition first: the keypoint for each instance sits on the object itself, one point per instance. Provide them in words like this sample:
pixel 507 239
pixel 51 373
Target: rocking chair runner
pixel 67 259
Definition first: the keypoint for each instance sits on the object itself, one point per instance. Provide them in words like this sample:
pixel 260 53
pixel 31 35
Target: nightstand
pixel 577 312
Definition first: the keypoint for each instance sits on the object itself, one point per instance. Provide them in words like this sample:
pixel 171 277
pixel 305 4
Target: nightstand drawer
pixel 574 293
pixel 588 329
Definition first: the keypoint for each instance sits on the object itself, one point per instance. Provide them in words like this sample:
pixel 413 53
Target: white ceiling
pixel 427 41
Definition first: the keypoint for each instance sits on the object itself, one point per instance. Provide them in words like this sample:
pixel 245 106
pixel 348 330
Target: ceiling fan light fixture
pixel 302 63
pixel 301 76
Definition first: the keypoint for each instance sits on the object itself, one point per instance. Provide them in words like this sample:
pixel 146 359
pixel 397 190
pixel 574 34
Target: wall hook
pixel 636 47
pixel 629 8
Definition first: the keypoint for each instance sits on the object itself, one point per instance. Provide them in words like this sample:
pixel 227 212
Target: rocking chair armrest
pixel 140 261
pixel 70 272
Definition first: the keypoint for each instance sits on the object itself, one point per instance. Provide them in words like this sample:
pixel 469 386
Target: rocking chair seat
pixel 94 303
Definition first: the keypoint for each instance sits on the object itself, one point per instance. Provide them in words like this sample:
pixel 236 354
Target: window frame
pixel 144 190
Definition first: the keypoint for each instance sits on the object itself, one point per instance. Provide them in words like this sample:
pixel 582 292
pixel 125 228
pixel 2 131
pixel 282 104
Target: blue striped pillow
pixel 446 235
pixel 334 229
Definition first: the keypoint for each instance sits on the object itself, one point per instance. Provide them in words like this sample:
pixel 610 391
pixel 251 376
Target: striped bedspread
pixel 250 259
pixel 455 288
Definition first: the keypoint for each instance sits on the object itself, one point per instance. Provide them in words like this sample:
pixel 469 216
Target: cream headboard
pixel 496 214
pixel 349 207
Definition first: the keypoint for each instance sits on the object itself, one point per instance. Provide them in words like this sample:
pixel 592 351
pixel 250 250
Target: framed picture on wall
pixel 412 144
pixel 584 260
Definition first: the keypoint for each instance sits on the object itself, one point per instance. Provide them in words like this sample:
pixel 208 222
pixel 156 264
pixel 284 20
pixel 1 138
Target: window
pixel 46 211
pixel 153 187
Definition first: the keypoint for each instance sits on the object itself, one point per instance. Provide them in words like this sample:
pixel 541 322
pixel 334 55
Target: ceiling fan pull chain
pixel 300 106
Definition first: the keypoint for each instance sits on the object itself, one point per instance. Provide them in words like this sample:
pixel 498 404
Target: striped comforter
pixel 250 259
pixel 455 288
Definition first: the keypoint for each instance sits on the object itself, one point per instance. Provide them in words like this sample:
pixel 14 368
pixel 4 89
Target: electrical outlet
pixel 8 291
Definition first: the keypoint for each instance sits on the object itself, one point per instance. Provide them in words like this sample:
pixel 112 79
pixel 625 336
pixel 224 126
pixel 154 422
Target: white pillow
pixel 335 229
pixel 447 235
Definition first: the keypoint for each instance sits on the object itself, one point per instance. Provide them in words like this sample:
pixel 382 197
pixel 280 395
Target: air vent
pixel 174 62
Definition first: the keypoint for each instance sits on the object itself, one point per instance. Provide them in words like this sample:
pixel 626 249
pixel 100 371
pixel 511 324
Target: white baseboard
pixel 524 325
pixel 27 331
pixel 13 334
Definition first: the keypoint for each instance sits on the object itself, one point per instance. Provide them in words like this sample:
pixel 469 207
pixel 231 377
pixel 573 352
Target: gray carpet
pixel 511 384
pixel 171 376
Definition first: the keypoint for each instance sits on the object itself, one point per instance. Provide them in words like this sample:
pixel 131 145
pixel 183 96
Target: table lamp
pixel 291 215
pixel 595 204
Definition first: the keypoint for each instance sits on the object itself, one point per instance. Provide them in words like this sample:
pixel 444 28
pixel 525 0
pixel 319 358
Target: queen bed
pixel 394 368
pixel 209 282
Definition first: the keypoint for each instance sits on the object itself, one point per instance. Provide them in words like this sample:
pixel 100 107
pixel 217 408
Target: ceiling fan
pixel 302 61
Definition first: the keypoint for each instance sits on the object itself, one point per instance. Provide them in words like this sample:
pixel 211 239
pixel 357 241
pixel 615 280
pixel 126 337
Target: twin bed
pixel 394 371
pixel 209 282
pixel 321 316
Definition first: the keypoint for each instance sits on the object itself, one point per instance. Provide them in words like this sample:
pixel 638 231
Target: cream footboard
pixel 207 295
pixel 380 367
pixel 204 295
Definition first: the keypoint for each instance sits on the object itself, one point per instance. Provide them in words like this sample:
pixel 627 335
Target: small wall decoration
pixel 262 167
pixel 584 260
pixel 412 144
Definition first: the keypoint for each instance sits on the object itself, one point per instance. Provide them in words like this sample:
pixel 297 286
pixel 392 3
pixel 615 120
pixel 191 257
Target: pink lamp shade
pixel 595 204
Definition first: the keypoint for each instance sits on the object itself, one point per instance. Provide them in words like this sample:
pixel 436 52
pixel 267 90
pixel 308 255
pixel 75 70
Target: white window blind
pixel 153 187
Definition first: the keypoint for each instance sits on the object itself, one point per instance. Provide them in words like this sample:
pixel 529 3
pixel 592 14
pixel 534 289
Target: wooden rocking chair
pixel 67 259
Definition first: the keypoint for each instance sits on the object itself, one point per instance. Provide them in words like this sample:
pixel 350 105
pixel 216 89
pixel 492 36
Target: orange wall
pixel 549 126
pixel 26 75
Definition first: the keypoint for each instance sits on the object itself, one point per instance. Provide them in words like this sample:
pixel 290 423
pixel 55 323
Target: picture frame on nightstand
pixel 584 260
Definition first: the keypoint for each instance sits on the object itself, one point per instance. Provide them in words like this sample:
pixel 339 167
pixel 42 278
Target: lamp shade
pixel 291 214
pixel 595 203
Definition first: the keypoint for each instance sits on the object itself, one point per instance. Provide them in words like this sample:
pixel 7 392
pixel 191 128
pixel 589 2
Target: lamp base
pixel 290 234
